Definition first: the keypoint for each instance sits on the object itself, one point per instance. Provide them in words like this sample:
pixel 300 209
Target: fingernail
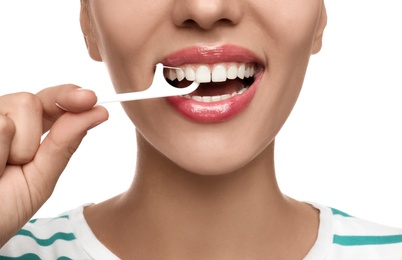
pixel 83 89
pixel 59 106
pixel 86 89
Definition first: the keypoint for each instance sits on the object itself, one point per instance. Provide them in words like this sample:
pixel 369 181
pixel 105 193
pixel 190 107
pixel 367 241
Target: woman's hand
pixel 29 168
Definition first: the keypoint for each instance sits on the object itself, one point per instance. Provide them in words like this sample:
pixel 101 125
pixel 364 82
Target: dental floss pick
pixel 156 90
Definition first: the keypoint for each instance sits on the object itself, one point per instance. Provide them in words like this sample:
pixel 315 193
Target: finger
pixel 56 150
pixel 57 100
pixel 25 110
pixel 7 130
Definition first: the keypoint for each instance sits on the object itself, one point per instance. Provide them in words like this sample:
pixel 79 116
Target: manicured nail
pixel 59 106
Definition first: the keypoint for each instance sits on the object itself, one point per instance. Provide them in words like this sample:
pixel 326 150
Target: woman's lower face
pixel 251 57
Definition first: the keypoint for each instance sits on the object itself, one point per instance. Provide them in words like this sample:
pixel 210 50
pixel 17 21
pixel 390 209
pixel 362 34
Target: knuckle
pixel 71 86
pixel 7 126
pixel 22 156
pixel 70 151
pixel 65 149
pixel 29 101
pixel 72 146
pixel 66 87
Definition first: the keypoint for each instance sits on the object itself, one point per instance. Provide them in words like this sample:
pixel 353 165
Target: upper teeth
pixel 206 73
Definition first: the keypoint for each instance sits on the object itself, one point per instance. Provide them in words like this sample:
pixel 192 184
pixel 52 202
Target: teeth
pixel 208 99
pixel 219 73
pixel 180 75
pixel 172 75
pixel 241 71
pixel 189 74
pixel 252 71
pixel 212 73
pixel 196 98
pixel 232 72
pixel 247 73
pixel 205 73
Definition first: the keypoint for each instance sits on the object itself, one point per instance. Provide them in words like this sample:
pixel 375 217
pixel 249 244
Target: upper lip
pixel 210 55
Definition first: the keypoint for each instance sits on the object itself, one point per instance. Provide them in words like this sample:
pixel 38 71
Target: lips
pixel 229 76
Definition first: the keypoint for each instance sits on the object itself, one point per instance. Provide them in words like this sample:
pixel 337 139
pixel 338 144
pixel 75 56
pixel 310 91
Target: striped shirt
pixel 341 236
pixel 68 236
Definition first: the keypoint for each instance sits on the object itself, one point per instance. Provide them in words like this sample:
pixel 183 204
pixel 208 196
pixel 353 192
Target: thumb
pixel 56 150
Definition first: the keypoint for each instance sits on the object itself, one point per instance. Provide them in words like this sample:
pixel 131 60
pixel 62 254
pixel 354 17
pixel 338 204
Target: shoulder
pixel 47 238
pixel 349 237
pixel 352 231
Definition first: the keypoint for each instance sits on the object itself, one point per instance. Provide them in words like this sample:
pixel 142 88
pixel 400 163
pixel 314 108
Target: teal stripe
pixel 32 221
pixel 65 216
pixel 49 241
pixel 366 240
pixel 29 257
pixel 23 257
pixel 338 212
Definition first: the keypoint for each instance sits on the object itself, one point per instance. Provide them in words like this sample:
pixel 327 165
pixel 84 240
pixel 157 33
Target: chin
pixel 215 162
pixel 212 168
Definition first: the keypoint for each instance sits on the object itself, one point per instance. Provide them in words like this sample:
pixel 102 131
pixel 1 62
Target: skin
pixel 201 191
pixel 210 180
pixel 29 169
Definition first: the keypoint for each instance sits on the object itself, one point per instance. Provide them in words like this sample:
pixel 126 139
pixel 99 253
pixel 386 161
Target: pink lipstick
pixel 229 75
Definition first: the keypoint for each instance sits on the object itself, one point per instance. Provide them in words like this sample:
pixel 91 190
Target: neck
pixel 239 212
pixel 160 181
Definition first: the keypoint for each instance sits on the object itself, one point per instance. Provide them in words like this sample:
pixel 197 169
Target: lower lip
pixel 215 112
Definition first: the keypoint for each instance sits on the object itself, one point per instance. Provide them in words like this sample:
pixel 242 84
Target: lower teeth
pixel 209 99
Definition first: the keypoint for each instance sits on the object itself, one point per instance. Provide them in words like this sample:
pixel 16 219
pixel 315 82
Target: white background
pixel 342 145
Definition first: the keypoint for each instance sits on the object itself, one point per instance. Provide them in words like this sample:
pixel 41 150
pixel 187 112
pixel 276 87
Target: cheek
pixel 200 148
pixel 125 31
pixel 122 26
pixel 288 24
pixel 289 31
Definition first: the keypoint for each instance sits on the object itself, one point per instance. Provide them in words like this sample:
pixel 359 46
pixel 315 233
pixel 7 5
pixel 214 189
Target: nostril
pixel 206 15
pixel 190 23
pixel 225 21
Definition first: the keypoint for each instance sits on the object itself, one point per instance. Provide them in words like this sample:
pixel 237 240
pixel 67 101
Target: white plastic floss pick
pixel 156 90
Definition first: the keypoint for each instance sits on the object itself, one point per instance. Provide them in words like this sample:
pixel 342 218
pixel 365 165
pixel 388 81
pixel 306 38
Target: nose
pixel 206 14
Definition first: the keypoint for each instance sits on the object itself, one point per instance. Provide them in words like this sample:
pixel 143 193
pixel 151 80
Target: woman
pixel 205 184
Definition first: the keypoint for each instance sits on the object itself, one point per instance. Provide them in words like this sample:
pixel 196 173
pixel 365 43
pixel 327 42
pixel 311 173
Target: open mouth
pixel 218 81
